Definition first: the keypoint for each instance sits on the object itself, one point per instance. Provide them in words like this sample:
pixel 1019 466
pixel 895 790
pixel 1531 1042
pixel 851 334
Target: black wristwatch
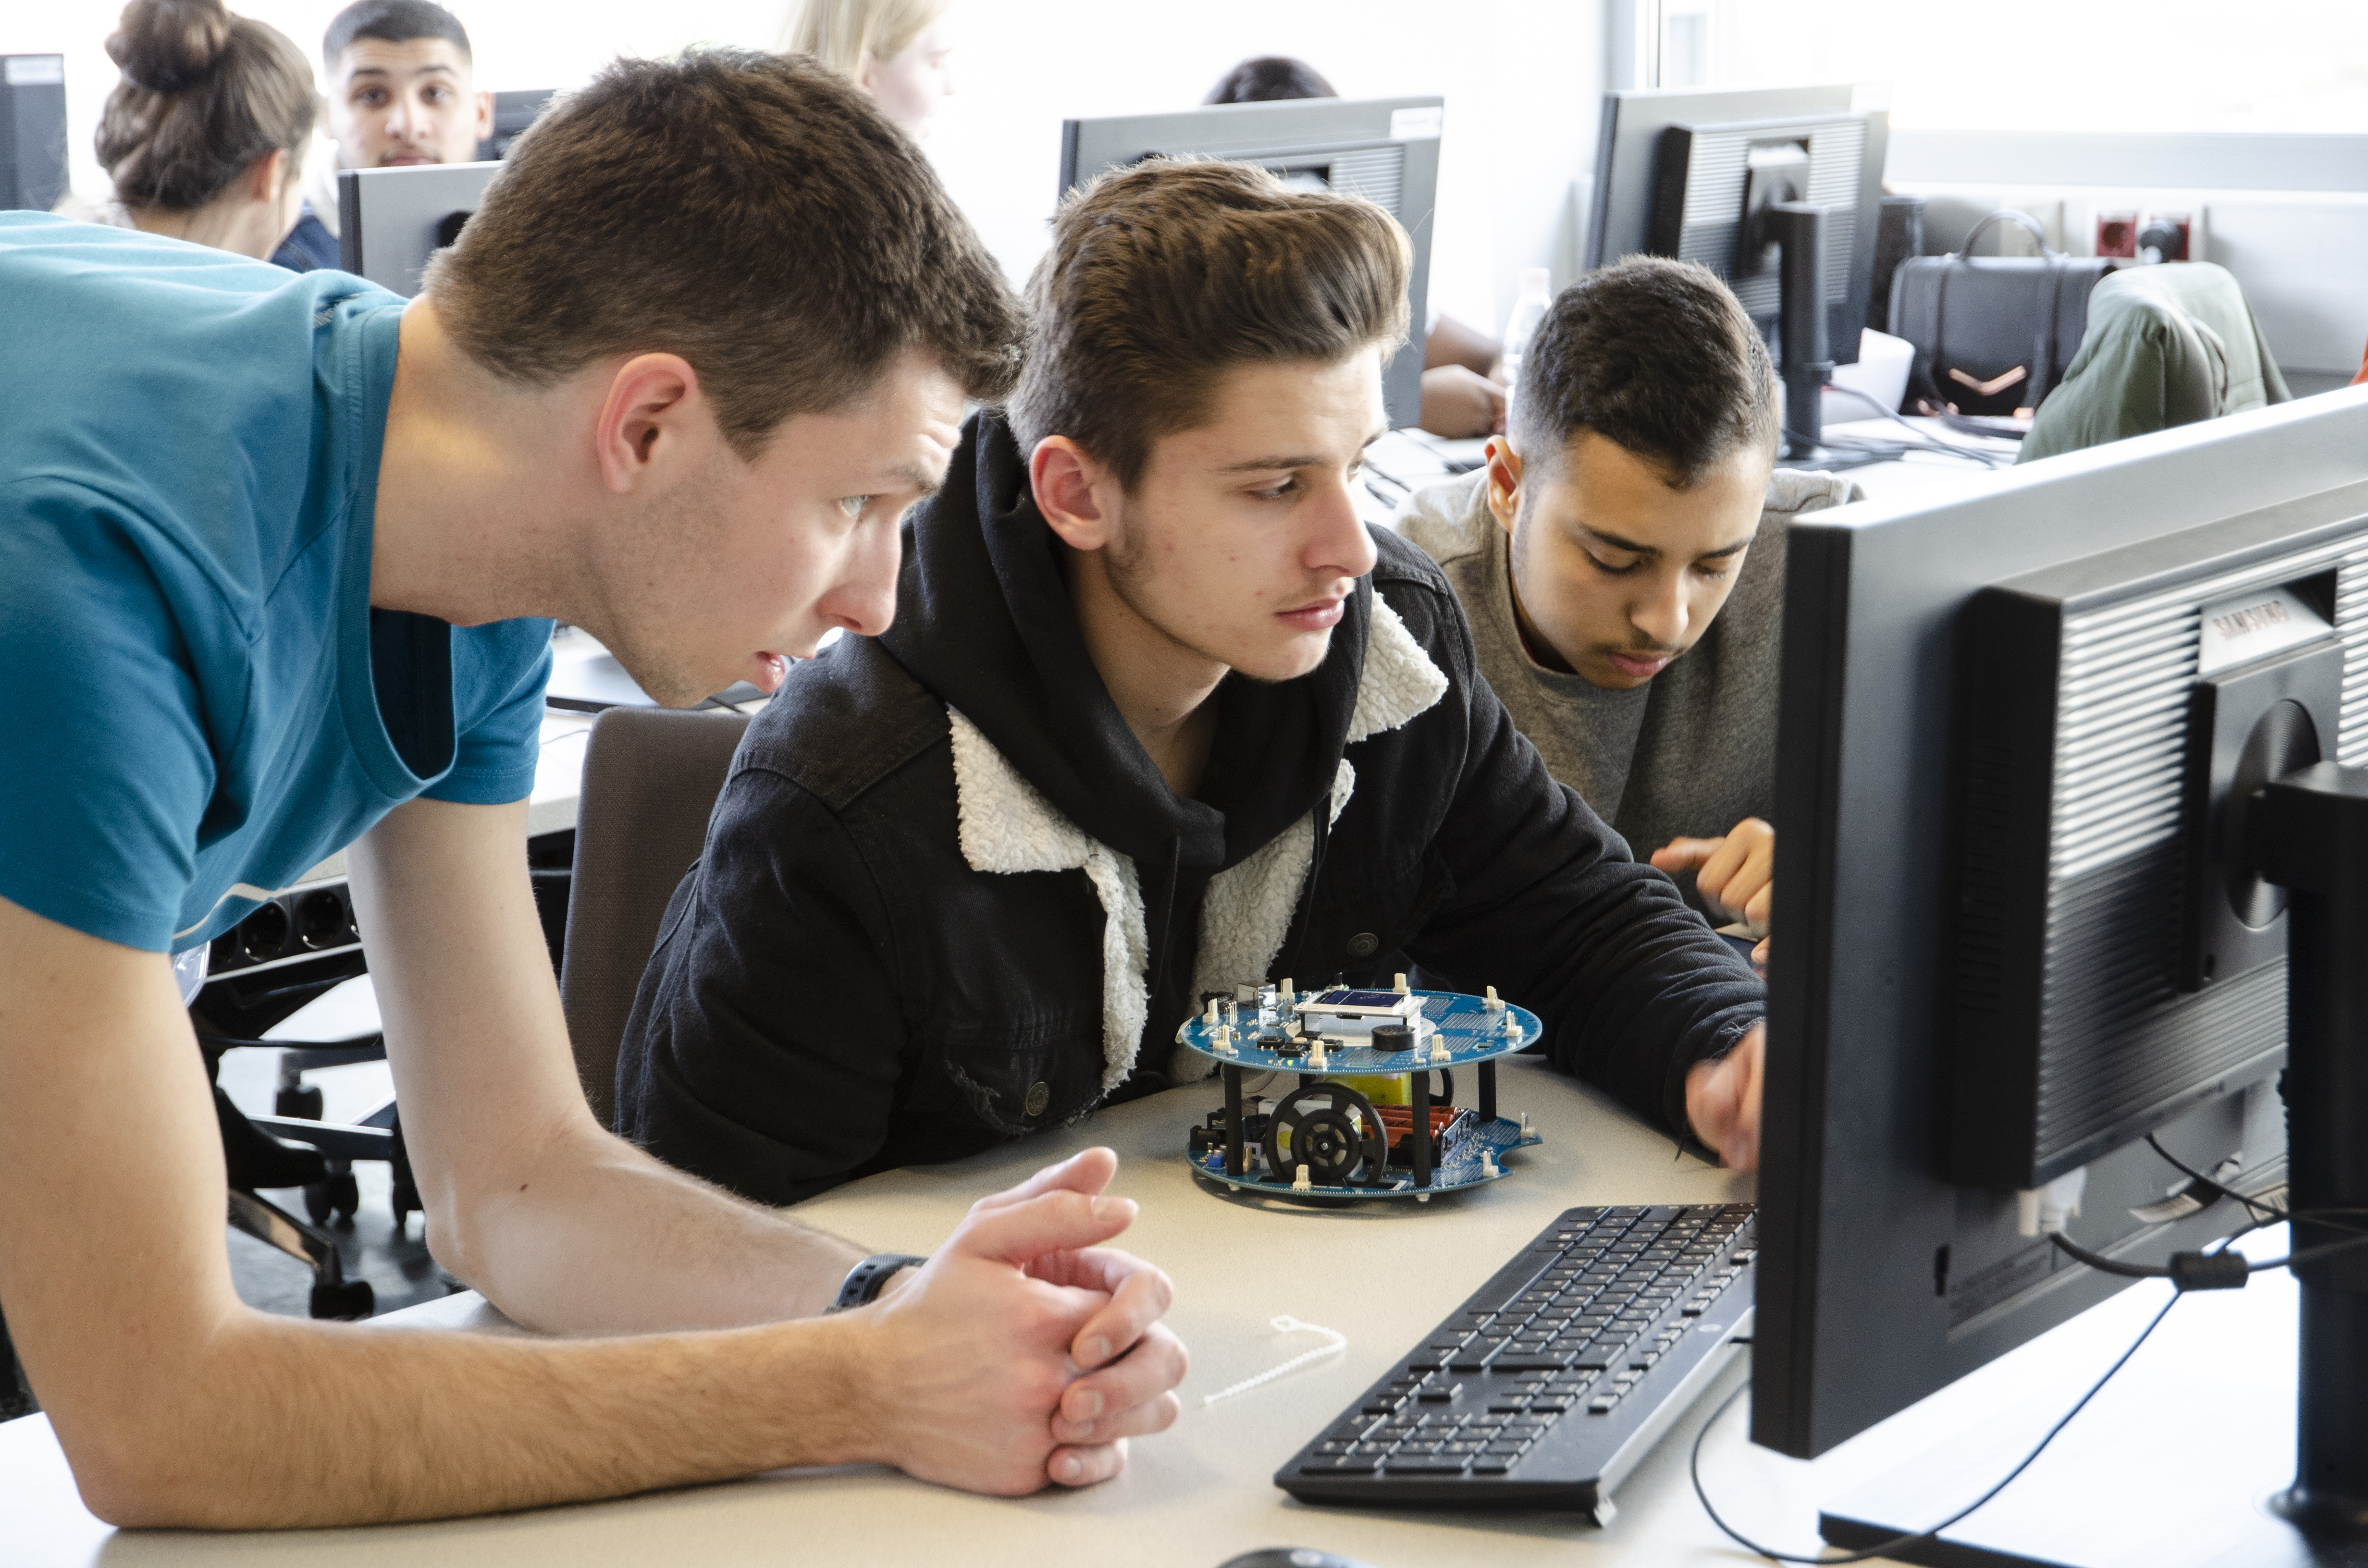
pixel 868 1278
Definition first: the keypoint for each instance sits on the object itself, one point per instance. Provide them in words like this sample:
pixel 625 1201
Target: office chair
pixel 651 778
pixel 2166 345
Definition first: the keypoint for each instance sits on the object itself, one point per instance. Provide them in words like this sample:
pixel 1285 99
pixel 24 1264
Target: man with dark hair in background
pixel 1158 715
pixel 402 91
pixel 1621 558
pixel 275 557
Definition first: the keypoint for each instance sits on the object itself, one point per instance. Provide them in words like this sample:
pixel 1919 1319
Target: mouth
pixel 404 160
pixel 768 671
pixel 1321 615
pixel 1640 666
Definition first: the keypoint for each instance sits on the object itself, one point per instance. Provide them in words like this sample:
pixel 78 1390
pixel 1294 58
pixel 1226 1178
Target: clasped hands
pixel 1737 874
pixel 1024 1352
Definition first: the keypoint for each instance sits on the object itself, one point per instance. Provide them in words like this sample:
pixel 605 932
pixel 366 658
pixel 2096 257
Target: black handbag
pixel 1992 334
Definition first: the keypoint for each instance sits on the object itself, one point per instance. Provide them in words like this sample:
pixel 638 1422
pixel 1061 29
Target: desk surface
pixel 1193 1496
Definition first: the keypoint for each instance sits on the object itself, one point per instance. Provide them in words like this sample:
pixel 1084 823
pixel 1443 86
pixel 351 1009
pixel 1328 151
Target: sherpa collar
pixel 1007 827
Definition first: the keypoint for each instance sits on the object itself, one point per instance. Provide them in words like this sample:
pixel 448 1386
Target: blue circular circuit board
pixel 1470 1030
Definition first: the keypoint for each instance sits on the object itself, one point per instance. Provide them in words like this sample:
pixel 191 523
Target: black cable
pixel 2257 1208
pixel 1884 1549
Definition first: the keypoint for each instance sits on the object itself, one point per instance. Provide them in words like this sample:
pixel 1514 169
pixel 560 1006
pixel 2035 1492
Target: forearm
pixel 605 1240
pixel 273 1422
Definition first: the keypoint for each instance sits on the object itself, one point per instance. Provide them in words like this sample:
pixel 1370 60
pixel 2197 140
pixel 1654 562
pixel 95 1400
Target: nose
pixel 1660 615
pixel 1341 548
pixel 864 598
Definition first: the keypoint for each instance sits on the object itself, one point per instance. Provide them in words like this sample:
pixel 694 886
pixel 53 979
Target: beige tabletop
pixel 1194 1496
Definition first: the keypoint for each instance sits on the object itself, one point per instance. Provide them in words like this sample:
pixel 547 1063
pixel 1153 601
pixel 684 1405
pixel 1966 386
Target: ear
pixel 1504 480
pixel 864 65
pixel 268 175
pixel 652 419
pixel 484 117
pixel 1073 491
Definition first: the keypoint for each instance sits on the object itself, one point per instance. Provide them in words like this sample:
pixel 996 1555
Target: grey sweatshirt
pixel 1693 751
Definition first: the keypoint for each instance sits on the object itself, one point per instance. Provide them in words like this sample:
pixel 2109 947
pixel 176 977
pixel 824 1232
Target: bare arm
pixel 176 1405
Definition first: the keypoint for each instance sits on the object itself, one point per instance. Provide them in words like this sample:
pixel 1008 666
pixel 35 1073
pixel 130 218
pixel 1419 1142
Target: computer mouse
pixel 1291 1557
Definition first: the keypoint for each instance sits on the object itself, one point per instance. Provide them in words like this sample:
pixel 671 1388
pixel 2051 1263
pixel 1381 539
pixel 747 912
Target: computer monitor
pixel 2021 920
pixel 1777 190
pixel 32 131
pixel 391 220
pixel 513 112
pixel 1385 149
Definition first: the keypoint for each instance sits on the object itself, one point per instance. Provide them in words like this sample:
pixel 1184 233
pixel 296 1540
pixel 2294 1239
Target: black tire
pixel 345 1196
pixel 304 1100
pixel 350 1301
pixel 319 1203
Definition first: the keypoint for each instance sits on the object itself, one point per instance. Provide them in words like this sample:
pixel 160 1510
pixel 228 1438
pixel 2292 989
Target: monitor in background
pixel 1777 190
pixel 2029 917
pixel 32 131
pixel 1385 149
pixel 513 112
pixel 391 220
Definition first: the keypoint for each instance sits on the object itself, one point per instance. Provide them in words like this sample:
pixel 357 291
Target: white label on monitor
pixel 49 70
pixel 1415 124
pixel 2253 626
pixel 1868 96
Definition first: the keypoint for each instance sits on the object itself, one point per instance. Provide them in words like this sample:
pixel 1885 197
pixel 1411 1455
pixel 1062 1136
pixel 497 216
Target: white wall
pixel 1522 79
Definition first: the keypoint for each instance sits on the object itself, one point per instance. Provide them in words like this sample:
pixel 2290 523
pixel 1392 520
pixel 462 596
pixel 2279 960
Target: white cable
pixel 1285 1324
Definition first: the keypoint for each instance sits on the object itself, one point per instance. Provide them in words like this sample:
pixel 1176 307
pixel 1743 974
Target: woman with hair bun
pixel 204 137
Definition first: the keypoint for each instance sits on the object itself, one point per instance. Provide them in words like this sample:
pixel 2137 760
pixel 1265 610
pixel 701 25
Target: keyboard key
pixel 1434 1464
pixel 1602 1403
pixel 1494 1464
pixel 1347 1464
pixel 1535 1360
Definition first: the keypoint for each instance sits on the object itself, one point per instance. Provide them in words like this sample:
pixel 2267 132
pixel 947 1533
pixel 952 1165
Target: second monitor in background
pixel 1385 149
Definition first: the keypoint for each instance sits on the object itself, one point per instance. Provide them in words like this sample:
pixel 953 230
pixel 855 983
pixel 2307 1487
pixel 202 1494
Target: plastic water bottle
pixel 1529 309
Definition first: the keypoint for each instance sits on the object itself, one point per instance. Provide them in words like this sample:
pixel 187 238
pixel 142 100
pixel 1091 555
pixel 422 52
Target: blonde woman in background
pixel 893 49
pixel 204 136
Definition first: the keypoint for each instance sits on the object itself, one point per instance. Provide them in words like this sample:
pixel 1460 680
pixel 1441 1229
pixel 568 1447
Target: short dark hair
pixel 755 213
pixel 1269 78
pixel 1656 356
pixel 1165 275
pixel 392 21
pixel 204 94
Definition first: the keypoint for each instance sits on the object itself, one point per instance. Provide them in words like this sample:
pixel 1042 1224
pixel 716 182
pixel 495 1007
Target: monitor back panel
pixel 389 220
pixel 32 131
pixel 1881 1278
pixel 1385 149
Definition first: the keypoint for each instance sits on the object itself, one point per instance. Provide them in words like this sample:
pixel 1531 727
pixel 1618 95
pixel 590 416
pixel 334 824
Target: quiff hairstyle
pixel 1654 356
pixel 1166 275
pixel 840 33
pixel 392 21
pixel 752 212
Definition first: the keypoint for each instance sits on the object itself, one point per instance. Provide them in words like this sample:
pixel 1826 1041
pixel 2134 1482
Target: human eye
pixel 1612 569
pixel 853 506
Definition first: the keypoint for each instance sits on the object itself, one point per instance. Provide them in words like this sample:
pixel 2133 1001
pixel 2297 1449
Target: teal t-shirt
pixel 197 702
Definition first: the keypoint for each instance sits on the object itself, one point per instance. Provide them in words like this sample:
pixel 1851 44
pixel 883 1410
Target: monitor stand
pixel 1804 362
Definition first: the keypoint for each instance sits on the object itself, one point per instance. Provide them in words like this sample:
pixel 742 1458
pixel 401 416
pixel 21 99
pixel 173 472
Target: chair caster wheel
pixel 351 1299
pixel 318 1205
pixel 340 1195
pixel 304 1100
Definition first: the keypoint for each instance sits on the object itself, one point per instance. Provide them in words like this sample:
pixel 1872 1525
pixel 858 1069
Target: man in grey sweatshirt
pixel 1620 558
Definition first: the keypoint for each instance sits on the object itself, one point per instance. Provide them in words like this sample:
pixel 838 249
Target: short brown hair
pixel 1163 276
pixel 1654 356
pixel 204 94
pixel 751 212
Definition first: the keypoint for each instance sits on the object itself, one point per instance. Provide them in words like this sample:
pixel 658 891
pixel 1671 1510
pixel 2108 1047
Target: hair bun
pixel 169 46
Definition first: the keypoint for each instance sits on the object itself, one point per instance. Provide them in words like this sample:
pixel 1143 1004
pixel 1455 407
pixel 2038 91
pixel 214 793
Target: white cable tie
pixel 1285 1324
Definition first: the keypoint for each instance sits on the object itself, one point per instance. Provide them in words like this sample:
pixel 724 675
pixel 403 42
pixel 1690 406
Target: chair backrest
pixel 650 780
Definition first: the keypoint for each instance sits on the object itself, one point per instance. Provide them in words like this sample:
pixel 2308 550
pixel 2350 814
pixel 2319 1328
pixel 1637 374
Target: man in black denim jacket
pixel 1158 715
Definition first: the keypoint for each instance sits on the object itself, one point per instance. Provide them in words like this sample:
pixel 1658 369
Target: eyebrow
pixel 1654 551
pixel 1266 465
pixel 917 476
pixel 360 71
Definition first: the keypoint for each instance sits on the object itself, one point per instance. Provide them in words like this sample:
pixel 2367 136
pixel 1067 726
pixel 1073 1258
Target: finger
pixel 1140 1299
pixel 1154 1415
pixel 1759 957
pixel 1742 1149
pixel 1719 872
pixel 1085 1466
pixel 1757 907
pixel 1154 1367
pixel 1050 1221
pixel 1679 853
pixel 1088 1171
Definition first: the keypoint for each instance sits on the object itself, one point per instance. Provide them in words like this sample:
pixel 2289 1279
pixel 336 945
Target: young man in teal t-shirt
pixel 273 556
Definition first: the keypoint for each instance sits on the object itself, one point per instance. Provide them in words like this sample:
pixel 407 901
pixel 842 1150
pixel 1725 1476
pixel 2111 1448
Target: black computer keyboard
pixel 1557 1378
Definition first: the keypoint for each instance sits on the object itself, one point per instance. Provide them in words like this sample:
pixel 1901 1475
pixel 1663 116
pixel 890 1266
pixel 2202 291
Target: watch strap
pixel 867 1279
